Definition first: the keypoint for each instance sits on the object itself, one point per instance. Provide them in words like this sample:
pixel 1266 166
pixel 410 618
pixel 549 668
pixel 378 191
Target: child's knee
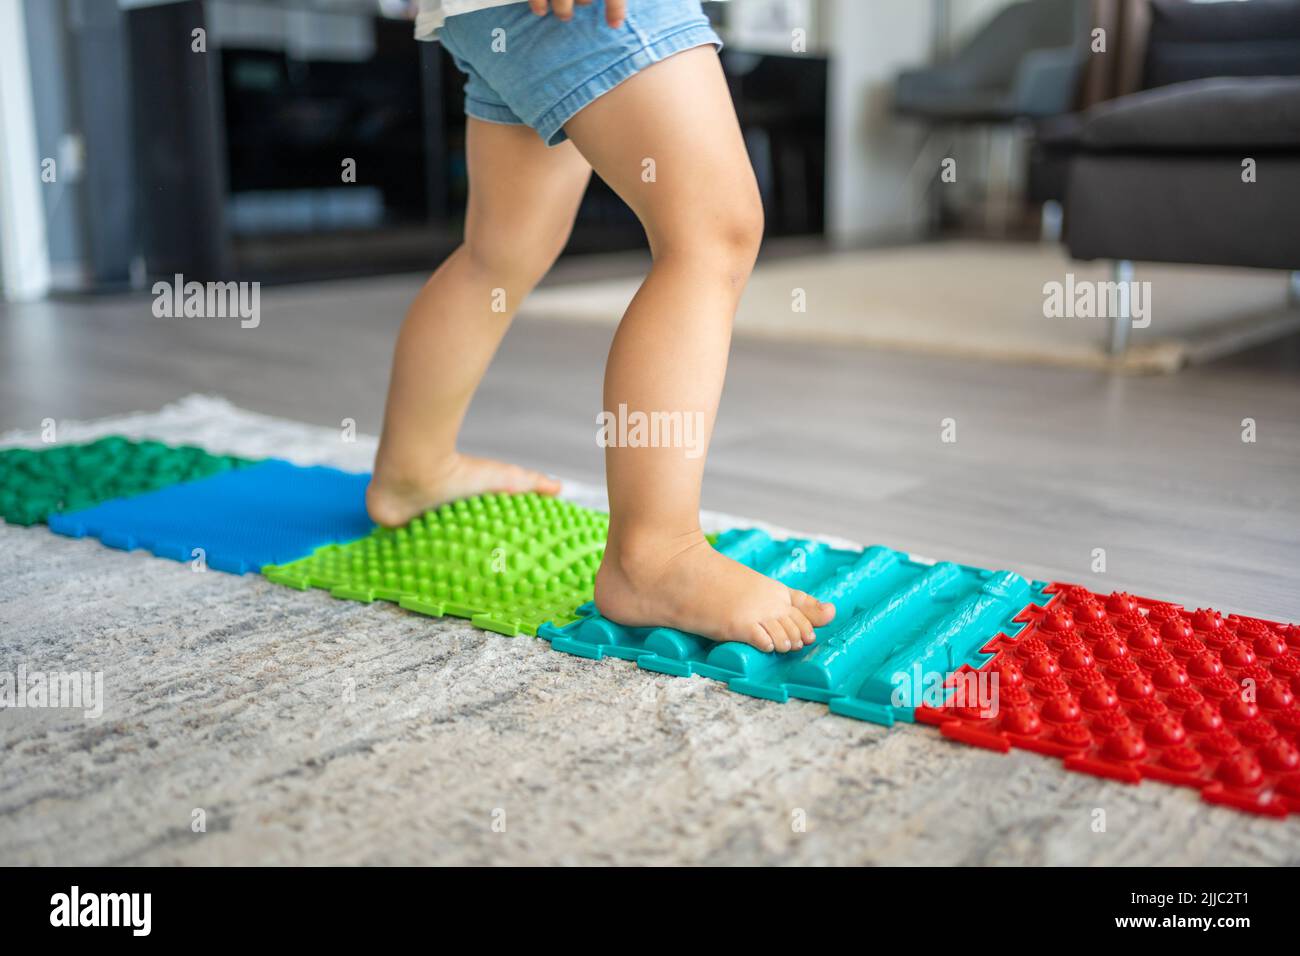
pixel 522 255
pixel 739 227
pixel 726 231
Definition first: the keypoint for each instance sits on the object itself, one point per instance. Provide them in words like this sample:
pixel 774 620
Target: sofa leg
pixel 1002 171
pixel 1122 321
pixel 1050 220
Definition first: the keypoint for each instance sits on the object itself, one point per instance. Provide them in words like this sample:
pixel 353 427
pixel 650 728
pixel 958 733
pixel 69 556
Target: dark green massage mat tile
pixel 38 482
pixel 509 563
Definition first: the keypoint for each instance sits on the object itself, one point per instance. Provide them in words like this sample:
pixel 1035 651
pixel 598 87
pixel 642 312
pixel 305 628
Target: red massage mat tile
pixel 1132 688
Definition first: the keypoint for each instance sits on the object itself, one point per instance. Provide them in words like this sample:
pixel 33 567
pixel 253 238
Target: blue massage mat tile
pixel 269 513
pixel 900 624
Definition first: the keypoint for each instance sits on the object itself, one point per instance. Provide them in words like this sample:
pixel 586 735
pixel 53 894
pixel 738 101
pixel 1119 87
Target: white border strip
pixel 215 424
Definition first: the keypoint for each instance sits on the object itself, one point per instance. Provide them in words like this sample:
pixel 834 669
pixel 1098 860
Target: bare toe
pixel 525 479
pixel 760 639
pixel 818 612
pixel 514 479
pixel 805 626
pixel 792 632
pixel 780 640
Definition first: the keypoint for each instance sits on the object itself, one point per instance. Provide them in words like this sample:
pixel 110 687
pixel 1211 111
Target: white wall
pixel 24 254
pixel 869 152
pixel 969 15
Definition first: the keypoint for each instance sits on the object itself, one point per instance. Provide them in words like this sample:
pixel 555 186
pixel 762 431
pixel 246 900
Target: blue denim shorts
pixel 539 71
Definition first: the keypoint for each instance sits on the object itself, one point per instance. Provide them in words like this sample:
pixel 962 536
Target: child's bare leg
pixel 522 200
pixel 702 215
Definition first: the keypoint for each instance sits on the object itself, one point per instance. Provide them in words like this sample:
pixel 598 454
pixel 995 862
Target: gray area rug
pixel 975 299
pixel 248 723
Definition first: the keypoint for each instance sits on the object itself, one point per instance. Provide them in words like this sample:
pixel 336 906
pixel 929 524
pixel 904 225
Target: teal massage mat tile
pixel 901 625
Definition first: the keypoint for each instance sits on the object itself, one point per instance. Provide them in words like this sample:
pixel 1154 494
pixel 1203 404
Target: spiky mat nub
pixel 509 563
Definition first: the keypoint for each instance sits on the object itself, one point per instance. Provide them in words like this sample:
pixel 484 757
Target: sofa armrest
pixel 1200 116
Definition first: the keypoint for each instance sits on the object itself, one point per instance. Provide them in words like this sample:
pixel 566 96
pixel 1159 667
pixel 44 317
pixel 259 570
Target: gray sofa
pixel 1160 175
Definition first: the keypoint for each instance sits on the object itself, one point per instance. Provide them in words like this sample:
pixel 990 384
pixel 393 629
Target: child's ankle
pixel 640 547
pixel 394 471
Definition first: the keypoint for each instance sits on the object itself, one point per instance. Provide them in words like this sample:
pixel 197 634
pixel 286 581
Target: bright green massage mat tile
pixel 38 482
pixel 509 563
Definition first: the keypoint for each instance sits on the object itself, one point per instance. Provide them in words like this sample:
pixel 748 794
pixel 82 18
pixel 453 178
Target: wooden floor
pixel 1049 465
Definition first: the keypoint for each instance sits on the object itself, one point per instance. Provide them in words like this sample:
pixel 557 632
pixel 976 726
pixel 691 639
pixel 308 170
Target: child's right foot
pixel 393 501
pixel 687 585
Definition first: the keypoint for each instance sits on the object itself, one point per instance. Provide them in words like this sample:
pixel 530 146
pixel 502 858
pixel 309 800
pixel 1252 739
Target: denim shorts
pixel 539 71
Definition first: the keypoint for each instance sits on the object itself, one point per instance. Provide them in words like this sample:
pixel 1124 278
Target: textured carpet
pixel 312 730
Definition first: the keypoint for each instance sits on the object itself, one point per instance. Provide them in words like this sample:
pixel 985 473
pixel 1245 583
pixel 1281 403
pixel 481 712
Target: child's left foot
pixel 393 501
